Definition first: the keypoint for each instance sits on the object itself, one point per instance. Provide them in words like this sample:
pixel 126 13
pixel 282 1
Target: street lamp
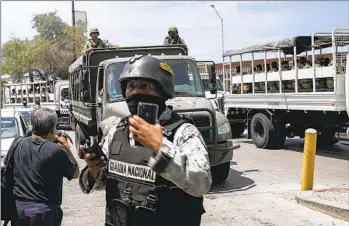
pixel 212 6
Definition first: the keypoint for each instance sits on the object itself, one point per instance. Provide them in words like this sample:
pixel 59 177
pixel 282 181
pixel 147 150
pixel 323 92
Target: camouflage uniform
pixel 173 37
pixel 92 44
pixel 182 158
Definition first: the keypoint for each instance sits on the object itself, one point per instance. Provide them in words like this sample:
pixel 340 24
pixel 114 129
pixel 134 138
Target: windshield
pixel 187 80
pixel 65 94
pixel 26 116
pixel 9 127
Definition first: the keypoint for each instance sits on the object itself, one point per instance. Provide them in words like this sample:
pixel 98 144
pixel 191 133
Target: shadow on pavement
pixel 235 182
pixel 337 151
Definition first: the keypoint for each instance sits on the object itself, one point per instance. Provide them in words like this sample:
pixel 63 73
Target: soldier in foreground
pixel 156 175
pixel 173 38
pixel 95 43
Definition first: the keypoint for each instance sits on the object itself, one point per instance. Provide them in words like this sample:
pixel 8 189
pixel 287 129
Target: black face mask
pixel 133 100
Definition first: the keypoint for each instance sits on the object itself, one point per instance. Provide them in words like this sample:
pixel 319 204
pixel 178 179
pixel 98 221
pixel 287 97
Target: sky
pixel 146 23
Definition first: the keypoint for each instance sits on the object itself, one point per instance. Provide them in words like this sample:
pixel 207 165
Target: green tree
pixel 49 25
pixel 48 54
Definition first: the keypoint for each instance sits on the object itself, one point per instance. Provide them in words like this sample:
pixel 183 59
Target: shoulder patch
pixel 167 68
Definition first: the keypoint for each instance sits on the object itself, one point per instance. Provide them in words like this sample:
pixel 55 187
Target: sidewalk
pixel 330 201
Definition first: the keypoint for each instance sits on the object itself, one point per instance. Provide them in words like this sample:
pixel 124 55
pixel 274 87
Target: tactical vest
pixel 95 45
pixel 175 41
pixel 136 195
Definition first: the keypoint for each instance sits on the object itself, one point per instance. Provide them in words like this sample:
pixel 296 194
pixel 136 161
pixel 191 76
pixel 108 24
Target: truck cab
pixel 190 100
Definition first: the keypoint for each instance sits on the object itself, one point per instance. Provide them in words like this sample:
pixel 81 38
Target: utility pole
pixel 73 24
pixel 222 31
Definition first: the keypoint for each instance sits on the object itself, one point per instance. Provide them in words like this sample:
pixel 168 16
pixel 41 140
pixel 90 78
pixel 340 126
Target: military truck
pixel 279 98
pixel 51 94
pixel 96 95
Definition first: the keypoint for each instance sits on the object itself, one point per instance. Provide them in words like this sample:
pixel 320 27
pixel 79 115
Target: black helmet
pixel 149 67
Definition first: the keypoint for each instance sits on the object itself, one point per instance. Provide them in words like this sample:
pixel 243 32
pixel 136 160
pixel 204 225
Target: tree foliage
pixel 48 54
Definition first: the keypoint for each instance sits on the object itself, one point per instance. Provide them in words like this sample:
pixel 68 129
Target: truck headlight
pixel 224 128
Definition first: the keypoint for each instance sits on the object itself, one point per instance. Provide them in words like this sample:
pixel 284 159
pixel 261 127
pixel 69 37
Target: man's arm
pixel 86 181
pixel 86 47
pixel 166 42
pixel 184 162
pixel 67 163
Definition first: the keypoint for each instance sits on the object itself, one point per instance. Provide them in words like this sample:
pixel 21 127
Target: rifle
pixel 91 145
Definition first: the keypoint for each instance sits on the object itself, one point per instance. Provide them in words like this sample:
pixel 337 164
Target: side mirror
pixel 211 69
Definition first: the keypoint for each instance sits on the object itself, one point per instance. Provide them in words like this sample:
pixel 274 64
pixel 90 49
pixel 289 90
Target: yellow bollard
pixel 309 159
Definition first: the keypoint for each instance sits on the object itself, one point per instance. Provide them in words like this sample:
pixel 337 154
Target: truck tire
pixel 263 132
pixel 220 172
pixel 237 129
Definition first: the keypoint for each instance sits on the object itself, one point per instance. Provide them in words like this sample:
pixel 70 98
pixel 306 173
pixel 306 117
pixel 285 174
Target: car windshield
pixel 9 127
pixel 26 116
pixel 187 80
pixel 65 94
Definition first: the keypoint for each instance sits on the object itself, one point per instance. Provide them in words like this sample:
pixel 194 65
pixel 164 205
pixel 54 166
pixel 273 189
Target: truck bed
pixel 291 101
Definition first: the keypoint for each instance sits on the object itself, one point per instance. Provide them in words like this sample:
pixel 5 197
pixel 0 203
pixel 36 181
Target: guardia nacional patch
pixel 167 68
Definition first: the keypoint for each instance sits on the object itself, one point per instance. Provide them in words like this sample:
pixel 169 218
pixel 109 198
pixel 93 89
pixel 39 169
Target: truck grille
pixel 202 121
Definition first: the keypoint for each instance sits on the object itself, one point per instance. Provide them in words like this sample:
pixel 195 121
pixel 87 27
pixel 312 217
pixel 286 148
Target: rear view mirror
pixel 211 69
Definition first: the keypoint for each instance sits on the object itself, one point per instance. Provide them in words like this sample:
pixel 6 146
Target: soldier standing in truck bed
pixel 95 43
pixel 173 38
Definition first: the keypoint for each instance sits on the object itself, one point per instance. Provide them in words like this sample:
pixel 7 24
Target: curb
pixel 333 211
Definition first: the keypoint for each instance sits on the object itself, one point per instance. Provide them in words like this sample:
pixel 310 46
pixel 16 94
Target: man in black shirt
pixel 39 167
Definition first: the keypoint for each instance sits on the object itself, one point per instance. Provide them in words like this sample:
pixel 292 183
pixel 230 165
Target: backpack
pixel 8 205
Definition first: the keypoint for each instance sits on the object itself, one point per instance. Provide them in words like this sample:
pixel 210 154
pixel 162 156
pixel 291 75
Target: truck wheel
pixel 237 129
pixel 262 131
pixel 220 172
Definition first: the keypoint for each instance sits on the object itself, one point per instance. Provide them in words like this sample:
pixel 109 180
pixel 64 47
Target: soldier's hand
pixel 117 46
pixel 147 134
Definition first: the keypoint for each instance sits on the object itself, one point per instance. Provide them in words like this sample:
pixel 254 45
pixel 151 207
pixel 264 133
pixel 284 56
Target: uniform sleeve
pixel 183 42
pixel 184 162
pixel 86 182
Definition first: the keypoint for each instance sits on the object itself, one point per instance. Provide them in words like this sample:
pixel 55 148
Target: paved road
pixel 260 190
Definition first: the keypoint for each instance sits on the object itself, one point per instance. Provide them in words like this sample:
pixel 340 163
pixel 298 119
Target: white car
pixel 12 124
pixel 26 114
pixel 216 101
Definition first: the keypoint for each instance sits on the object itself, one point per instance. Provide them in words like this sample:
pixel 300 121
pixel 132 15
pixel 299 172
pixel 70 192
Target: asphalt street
pixel 260 189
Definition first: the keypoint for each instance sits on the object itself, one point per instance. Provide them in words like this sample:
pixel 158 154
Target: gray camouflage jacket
pixel 189 168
